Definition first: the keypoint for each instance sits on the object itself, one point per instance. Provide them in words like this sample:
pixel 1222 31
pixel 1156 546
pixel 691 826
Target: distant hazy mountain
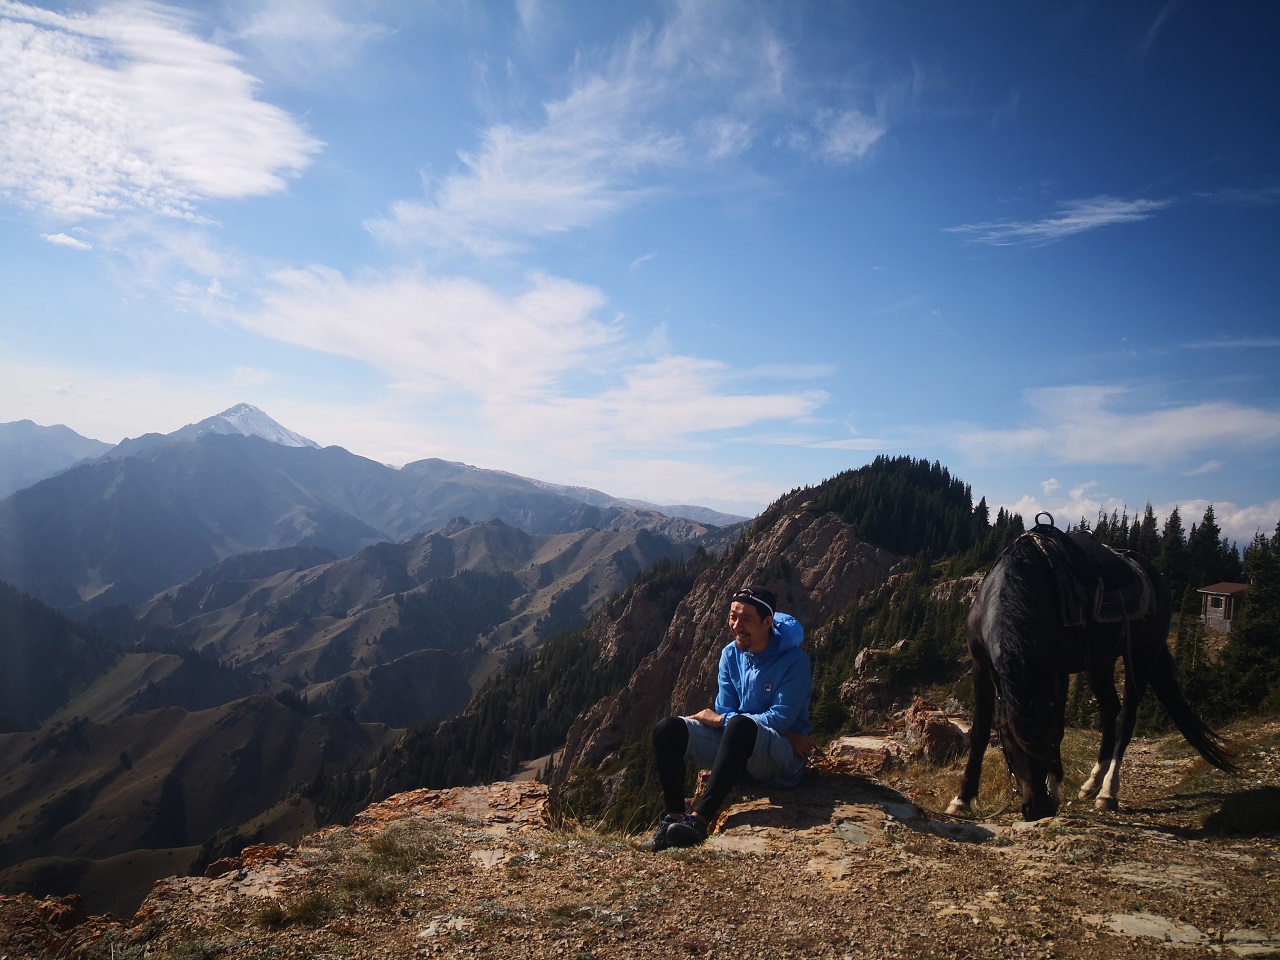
pixel 594 497
pixel 123 528
pixel 30 452
pixel 119 530
pixel 692 512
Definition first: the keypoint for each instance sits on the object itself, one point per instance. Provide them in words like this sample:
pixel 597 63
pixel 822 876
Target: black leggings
pixel 671 739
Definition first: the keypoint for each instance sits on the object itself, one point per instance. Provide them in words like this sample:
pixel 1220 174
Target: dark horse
pixel 1054 605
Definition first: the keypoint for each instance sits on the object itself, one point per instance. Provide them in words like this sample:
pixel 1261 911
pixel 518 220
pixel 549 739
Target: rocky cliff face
pixel 812 562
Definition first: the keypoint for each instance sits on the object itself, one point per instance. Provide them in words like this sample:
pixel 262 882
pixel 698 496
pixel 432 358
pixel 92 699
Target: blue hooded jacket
pixel 772 687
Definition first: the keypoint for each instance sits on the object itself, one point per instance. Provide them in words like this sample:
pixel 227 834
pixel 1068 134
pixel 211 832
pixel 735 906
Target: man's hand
pixel 801 744
pixel 708 717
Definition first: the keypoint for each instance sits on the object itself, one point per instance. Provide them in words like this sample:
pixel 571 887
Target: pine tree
pixel 1212 558
pixel 1147 540
pixel 1173 560
pixel 1250 665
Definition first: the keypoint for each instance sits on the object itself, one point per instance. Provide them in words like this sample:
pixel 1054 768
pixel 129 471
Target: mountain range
pixel 153 512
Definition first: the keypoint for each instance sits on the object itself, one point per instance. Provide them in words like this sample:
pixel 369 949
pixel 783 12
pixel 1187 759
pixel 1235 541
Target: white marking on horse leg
pixel 1109 795
pixel 1089 788
pixel 959 808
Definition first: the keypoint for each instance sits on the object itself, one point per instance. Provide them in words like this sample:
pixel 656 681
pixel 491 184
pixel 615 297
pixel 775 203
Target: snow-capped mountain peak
pixel 246 419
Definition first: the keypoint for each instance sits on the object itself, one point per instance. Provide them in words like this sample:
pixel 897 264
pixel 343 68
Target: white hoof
pixel 1107 803
pixel 958 808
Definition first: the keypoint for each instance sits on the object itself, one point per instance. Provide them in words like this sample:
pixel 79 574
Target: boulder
pixel 938 738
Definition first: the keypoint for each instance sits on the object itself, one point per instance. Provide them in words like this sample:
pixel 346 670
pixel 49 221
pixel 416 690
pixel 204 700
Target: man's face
pixel 751 631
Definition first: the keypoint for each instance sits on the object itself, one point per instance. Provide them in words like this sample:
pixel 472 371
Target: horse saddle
pixel 1096 584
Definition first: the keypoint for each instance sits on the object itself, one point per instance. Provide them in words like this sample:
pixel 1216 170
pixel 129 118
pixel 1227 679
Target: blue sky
pixel 687 252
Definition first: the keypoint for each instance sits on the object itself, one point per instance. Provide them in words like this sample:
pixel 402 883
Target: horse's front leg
pixel 984 699
pixel 1102 683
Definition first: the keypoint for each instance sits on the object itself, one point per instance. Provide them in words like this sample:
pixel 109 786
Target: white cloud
pixel 1051 485
pixel 523 184
pixel 63 240
pixel 667 401
pixel 1241 523
pixel 126 109
pixel 530 371
pixel 1075 217
pixel 436 334
pixel 847 135
pixel 1081 425
pixel 1238 523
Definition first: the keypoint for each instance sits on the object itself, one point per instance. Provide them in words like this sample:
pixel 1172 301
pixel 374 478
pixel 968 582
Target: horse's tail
pixel 1164 682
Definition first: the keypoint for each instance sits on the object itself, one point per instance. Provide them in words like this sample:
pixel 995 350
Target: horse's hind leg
pixel 1102 683
pixel 984 699
pixel 1135 685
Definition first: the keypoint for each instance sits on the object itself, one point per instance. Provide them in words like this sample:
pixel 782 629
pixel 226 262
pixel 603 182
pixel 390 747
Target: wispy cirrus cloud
pixel 707 86
pixel 126 109
pixel 1073 217
pixel 307 41
pixel 1165 14
pixel 521 184
pixel 1236 343
pixel 839 136
pixel 1259 197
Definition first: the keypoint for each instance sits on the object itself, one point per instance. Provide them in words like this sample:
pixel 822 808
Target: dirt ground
pixel 842 866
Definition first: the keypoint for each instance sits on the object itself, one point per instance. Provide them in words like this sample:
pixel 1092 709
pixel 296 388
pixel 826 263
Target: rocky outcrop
pixel 843 865
pixel 939 738
pixel 813 563
pixel 961 589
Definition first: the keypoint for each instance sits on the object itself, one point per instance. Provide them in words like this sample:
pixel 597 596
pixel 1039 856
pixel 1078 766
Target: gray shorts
pixel 773 763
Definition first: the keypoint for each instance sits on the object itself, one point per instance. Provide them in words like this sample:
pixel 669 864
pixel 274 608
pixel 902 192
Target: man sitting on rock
pixel 758 729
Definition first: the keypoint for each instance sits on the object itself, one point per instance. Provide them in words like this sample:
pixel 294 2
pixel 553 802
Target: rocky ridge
pixel 812 562
pixel 845 865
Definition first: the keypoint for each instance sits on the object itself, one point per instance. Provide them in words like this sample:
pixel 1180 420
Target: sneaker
pixel 660 841
pixel 689 831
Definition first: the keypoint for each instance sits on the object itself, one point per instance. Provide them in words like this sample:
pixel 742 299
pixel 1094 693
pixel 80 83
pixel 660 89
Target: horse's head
pixel 1036 767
